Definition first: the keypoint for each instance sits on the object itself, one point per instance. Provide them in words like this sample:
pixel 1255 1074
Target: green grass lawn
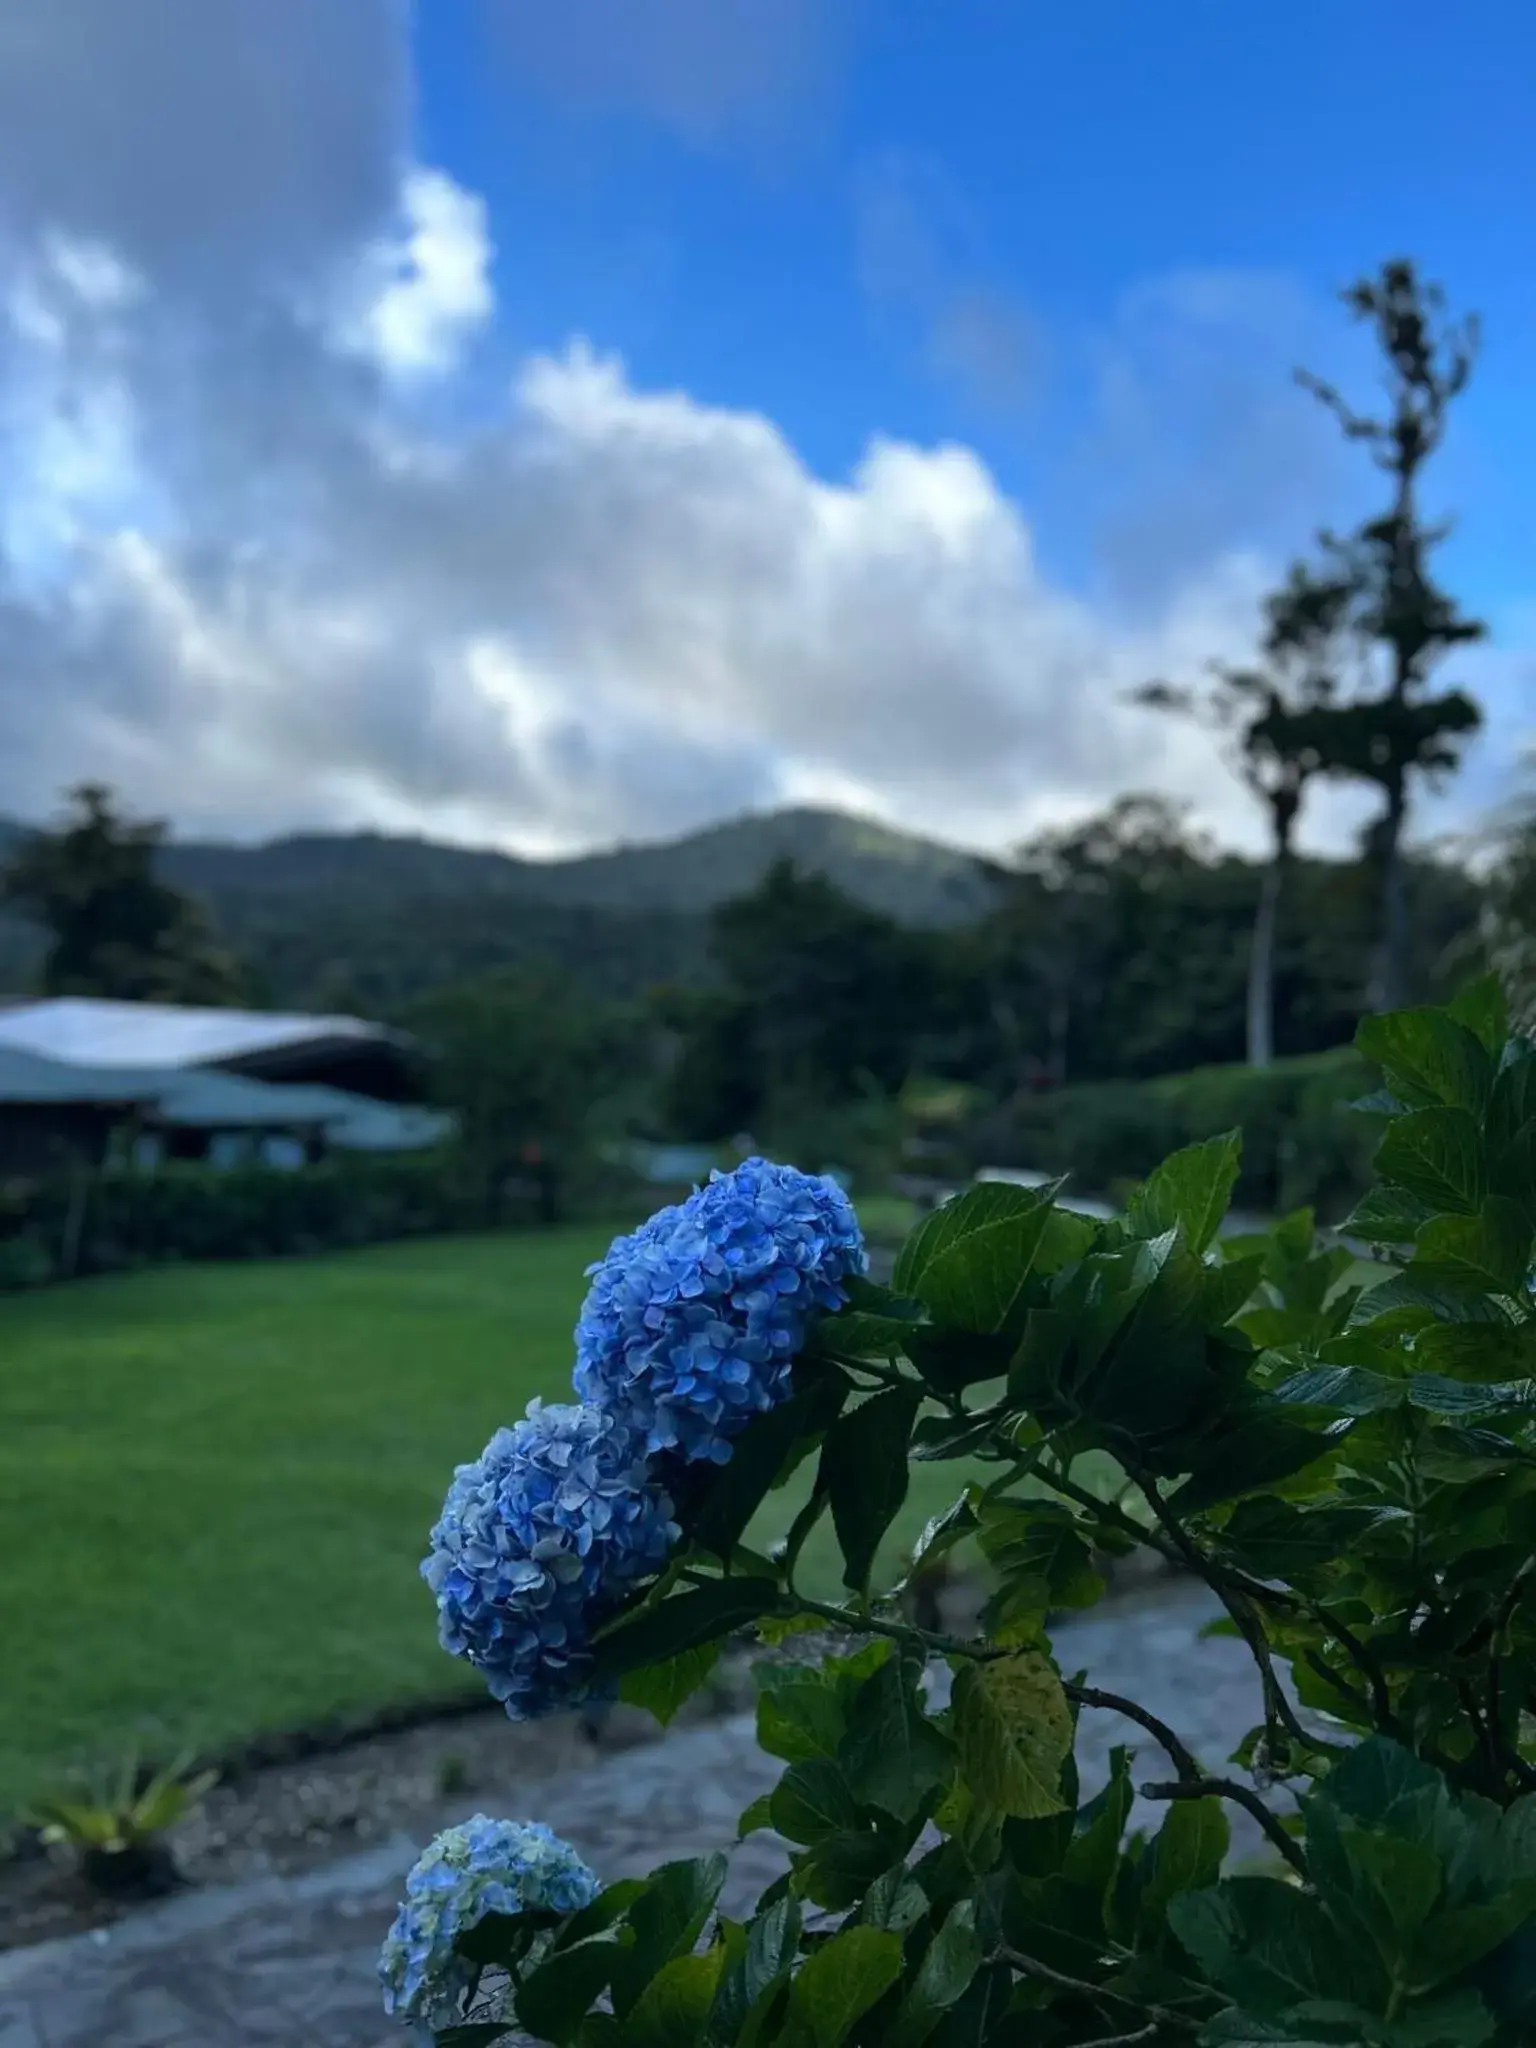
pixel 216 1482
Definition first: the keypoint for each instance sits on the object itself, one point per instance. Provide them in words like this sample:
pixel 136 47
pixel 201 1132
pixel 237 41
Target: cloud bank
pixel 259 569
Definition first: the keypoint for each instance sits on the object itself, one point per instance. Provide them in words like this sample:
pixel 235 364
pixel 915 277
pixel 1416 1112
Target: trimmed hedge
pixel 1301 1145
pixel 116 1220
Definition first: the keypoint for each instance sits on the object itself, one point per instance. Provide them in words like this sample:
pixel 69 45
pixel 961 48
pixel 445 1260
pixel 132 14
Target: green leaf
pixel 800 1721
pixel 611 1904
pixel 758 1456
pixel 1481 1006
pixel 672 2010
pixel 475 2034
pixel 758 1815
pixel 811 1801
pixel 1478 1351
pixel 943 1977
pixel 1013 1729
pixel 893 1755
pixel 939 1438
pixel 864 1470
pixel 1387 1216
pixel 839 1984
pixel 1491 1249
pixel 1040 1541
pixel 1186 1854
pixel 1093 1855
pixel 751 1981
pixel 1269 1946
pixel 666 1919
pixel 1429 1059
pixel 1261 1450
pixel 942 1532
pixel 1439 1396
pixel 683 1622
pixel 663 1688
pixel 1437 1154
pixel 837 1871
pixel 1276 1540
pixel 554 1999
pixel 1190 1191
pixel 970 1263
pixel 1350 1389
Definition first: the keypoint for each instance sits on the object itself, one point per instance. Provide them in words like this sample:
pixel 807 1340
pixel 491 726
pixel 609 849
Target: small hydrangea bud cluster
pixel 690 1329
pixel 484 1866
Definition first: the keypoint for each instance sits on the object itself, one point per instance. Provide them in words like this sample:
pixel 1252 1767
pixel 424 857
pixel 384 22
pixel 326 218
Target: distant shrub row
pixel 1300 1143
pixel 112 1222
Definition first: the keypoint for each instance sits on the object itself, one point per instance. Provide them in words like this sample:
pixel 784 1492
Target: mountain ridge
pixel 328 920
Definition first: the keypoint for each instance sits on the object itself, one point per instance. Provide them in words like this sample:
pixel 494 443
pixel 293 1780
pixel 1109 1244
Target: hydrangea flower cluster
pixel 542 1534
pixel 692 1324
pixel 691 1328
pixel 482 1867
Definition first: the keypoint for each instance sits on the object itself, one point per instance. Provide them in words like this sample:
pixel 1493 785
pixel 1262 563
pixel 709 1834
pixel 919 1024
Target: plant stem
pixel 1157 2015
pixel 1240 1795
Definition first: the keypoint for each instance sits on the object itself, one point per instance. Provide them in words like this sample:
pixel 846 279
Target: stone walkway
pixel 289 1964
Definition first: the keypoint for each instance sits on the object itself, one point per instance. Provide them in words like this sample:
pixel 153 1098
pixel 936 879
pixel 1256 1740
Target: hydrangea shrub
pixel 1346 1457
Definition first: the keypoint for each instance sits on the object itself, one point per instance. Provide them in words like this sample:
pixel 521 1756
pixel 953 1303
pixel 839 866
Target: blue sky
pixel 1026 172
pixel 554 424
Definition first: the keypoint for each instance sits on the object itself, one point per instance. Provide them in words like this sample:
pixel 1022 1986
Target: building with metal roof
pixel 337 1052
pixel 57 1113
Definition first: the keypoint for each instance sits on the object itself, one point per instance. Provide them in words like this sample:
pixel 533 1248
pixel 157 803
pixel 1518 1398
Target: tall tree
pixel 114 928
pixel 1266 717
pixel 1397 729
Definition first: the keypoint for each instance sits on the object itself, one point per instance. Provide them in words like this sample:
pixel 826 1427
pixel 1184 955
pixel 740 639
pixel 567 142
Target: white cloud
pixel 245 580
pixel 427 290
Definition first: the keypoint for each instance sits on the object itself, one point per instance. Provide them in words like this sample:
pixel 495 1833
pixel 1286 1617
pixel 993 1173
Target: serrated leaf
pixel 864 1470
pixel 1350 1389
pixel 684 1622
pixel 939 1438
pixel 673 2009
pixel 1491 1249
pixel 1190 1191
pixel 1261 1450
pixel 971 1262
pixel 1013 1729
pixel 554 1999
pixel 1483 1008
pixel 893 1755
pixel 943 1977
pixel 1387 1216
pixel 839 1984
pixel 758 1973
pixel 940 1533
pixel 666 1921
pixel 1270 1946
pixel 800 1721
pixel 1429 1059
pixel 1438 1155
pixel 663 1688
pixel 1186 1854
pixel 811 1801
pixel 1276 1540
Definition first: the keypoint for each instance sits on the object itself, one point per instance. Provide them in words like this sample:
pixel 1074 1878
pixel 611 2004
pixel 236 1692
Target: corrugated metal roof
pixel 87 1031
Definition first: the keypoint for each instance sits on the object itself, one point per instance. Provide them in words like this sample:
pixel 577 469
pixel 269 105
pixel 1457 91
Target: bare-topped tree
pixel 1395 728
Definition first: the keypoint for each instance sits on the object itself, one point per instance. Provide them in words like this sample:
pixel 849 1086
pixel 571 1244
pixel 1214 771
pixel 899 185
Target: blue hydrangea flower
pixel 692 1324
pixel 538 1540
pixel 484 1866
